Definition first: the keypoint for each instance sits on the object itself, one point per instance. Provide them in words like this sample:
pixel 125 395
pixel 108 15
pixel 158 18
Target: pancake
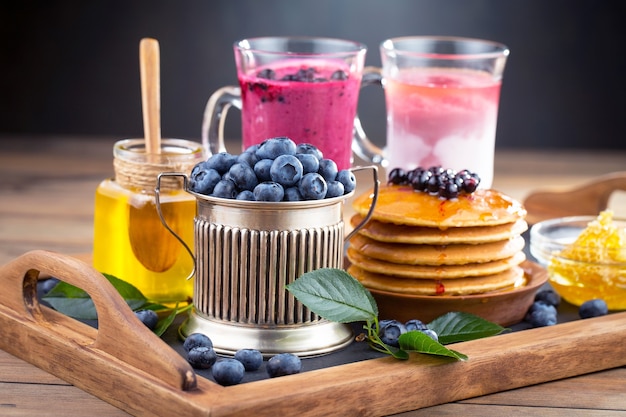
pixel 457 254
pixel 509 278
pixel 402 205
pixel 396 233
pixel 432 271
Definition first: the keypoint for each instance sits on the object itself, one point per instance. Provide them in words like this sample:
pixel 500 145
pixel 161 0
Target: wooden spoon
pixel 153 245
pixel 587 199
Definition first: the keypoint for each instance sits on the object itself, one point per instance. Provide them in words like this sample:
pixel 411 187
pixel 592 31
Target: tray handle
pixel 120 333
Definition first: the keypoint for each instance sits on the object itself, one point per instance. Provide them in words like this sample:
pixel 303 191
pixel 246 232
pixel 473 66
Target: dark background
pixel 72 67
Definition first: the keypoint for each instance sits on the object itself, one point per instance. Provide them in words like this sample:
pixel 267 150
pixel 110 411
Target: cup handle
pixel 215 115
pixel 361 145
pixel 157 197
pixel 370 212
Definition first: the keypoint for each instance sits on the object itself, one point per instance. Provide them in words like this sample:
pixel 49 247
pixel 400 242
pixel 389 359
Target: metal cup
pixel 246 252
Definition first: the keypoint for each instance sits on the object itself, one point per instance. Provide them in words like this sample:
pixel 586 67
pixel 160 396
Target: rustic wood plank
pixel 474 410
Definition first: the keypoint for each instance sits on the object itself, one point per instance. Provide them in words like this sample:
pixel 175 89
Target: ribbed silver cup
pixel 246 253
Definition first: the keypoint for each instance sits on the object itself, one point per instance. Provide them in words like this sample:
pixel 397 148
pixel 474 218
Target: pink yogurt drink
pixel 308 101
pixel 443 117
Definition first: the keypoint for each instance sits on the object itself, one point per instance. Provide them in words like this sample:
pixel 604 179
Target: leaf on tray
pixel 460 327
pixel 335 295
pixel 417 341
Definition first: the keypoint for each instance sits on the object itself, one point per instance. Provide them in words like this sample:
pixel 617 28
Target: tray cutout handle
pixel 120 333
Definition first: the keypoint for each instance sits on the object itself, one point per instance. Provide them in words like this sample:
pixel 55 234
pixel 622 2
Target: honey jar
pixel 130 241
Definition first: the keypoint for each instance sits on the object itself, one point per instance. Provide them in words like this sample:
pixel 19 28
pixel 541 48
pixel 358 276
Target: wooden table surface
pixel 46 202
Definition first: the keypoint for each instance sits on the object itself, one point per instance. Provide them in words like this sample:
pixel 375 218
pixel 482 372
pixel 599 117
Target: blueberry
pixel 397 176
pixel 262 169
pixel 196 340
pixel 228 372
pixel 249 158
pixel 225 188
pixel 328 169
pixel 548 296
pixel 309 162
pixel 201 357
pixel 541 314
pixel 593 308
pixel 292 194
pixel 274 147
pixel 269 191
pixel 335 189
pixel 313 187
pixel 339 75
pixel 148 317
pixel 49 284
pixel 203 180
pixel 431 333
pixel 243 176
pixel 245 195
pixel 221 162
pixel 251 148
pixel 250 358
pixel 390 333
pixel 283 364
pixel 309 149
pixel 286 170
pixel 267 73
pixel 415 324
pixel 347 178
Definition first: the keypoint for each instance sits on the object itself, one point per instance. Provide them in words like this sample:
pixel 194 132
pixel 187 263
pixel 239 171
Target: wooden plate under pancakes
pixel 403 205
pixel 456 254
pixel 505 307
pixel 396 233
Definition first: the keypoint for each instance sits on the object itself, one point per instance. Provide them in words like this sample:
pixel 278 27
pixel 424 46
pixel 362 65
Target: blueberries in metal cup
pixel 334 189
pixel 243 176
pixel 286 170
pixel 313 186
pixel 225 189
pixel 262 169
pixel 328 169
pixel 292 194
pixel 221 162
pixel 274 147
pixel 347 178
pixel 307 148
pixel 277 163
pixel 309 162
pixel 269 191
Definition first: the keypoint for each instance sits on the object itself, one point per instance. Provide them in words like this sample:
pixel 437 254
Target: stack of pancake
pixel 420 244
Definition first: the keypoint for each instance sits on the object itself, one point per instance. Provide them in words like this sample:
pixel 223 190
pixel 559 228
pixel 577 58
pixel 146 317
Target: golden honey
pixel 130 241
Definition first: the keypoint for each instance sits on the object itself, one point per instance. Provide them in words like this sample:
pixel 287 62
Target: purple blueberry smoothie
pixel 310 102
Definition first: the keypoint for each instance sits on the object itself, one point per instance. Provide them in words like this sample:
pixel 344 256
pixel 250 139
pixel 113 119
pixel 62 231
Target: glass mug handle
pixel 215 115
pixel 361 145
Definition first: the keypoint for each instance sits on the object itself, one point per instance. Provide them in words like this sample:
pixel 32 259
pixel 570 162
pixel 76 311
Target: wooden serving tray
pixel 128 366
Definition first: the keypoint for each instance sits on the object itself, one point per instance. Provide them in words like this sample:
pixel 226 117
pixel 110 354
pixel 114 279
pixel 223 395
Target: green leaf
pixel 460 327
pixel 74 302
pixel 164 324
pixel 334 295
pixel 417 341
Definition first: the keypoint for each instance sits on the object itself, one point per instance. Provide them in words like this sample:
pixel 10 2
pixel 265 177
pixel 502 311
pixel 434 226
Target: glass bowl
pixel 583 272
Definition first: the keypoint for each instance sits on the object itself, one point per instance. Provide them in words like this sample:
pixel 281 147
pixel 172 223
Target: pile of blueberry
pixel 230 371
pixel 390 330
pixel 274 170
pixel 307 75
pixel 445 183
pixel 543 311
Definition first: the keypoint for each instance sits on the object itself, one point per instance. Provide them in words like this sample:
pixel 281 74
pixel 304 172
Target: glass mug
pixel 305 88
pixel 442 96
